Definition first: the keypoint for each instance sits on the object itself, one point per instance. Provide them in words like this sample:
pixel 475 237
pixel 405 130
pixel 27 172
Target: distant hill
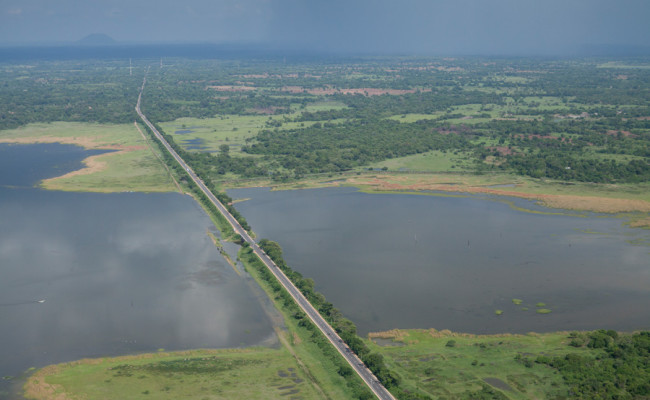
pixel 96 39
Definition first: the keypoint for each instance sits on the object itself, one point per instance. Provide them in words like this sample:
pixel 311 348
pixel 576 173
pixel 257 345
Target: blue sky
pixel 405 26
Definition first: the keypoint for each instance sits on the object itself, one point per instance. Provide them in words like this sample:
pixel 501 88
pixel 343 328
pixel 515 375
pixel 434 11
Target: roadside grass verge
pixel 326 366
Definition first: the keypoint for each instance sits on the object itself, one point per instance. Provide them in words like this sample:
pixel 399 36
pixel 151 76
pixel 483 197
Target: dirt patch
pixel 640 223
pixel 569 202
pixel 502 150
pixel 37 388
pixel 231 88
pixel 624 133
pixel 362 91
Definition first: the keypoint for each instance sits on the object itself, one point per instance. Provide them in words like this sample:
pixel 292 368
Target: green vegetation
pixel 253 373
pixel 572 121
pixel 344 327
pixel 577 130
pixel 130 165
pixel 329 369
pixel 553 365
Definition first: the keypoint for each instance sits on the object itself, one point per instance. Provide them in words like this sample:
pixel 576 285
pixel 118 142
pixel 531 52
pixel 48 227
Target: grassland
pixel 252 373
pixel 208 134
pixel 431 161
pixel 443 364
pixel 131 164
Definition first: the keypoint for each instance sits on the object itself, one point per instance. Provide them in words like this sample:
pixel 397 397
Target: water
pixel 118 273
pixel 416 261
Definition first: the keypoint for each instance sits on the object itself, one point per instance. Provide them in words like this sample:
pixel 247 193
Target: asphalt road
pixel 357 365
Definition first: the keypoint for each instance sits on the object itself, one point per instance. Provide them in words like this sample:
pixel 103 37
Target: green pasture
pixel 432 161
pixel 253 373
pixel 410 118
pixel 448 365
pixel 622 65
pixel 96 135
pixel 232 130
pixel 136 171
pixel 324 106
pixel 133 166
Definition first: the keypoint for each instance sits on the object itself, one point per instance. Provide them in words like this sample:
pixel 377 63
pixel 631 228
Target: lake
pixel 89 275
pixel 423 261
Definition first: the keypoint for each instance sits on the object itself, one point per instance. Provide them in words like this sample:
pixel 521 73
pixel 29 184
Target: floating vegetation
pixel 517 301
pixel 498 312
pixel 543 311
pixel 524 308
pixel 540 304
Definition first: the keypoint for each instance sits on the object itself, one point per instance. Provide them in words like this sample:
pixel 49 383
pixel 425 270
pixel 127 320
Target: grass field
pixel 448 365
pixel 432 161
pixel 253 373
pixel 208 134
pixel 131 166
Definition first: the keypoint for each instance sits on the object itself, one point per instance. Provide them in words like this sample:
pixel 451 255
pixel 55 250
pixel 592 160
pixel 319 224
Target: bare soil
pixel 361 91
pixel 571 202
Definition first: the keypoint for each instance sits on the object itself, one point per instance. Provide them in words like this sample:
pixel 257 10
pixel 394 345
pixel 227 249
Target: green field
pixel 432 161
pixel 208 134
pixel 130 166
pixel 459 366
pixel 253 373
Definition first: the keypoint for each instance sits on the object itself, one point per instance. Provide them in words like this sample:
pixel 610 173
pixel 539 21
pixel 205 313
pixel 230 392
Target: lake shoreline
pixel 635 210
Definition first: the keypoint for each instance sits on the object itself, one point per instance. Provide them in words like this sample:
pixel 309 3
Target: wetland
pixel 449 262
pixel 106 274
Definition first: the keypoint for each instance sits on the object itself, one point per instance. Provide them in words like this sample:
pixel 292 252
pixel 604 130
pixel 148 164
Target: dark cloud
pixel 405 26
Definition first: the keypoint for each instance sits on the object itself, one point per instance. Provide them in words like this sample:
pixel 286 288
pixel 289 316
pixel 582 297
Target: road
pixel 357 365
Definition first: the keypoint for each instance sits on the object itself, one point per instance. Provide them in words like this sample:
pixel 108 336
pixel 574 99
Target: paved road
pixel 368 377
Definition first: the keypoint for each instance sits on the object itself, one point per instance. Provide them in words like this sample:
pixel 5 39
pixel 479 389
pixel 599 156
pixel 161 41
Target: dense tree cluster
pixel 622 371
pixel 338 147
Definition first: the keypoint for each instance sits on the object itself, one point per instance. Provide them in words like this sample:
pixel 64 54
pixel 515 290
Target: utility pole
pixel 130 68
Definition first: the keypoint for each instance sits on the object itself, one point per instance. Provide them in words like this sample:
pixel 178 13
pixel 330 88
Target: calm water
pixel 416 261
pixel 119 273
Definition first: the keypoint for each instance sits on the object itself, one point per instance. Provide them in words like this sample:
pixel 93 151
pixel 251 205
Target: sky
pixel 362 26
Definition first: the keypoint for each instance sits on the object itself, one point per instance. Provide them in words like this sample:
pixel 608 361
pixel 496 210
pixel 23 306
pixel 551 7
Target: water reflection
pixel 409 261
pixel 119 273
